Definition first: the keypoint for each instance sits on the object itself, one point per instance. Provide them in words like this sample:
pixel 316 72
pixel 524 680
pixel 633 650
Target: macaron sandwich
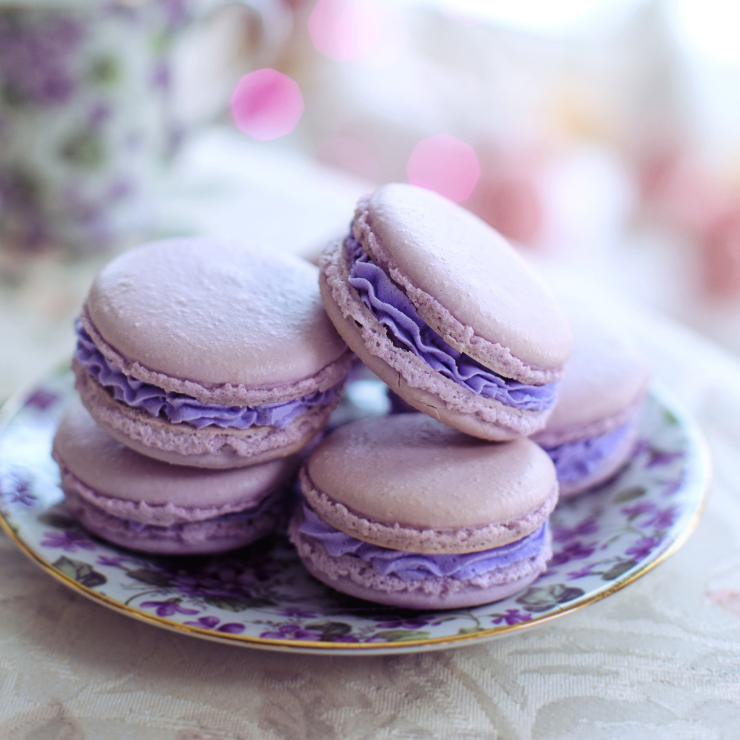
pixel 442 309
pixel 405 511
pixel 205 353
pixel 594 426
pixel 147 505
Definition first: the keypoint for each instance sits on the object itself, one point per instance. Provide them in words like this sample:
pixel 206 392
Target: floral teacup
pixel 86 122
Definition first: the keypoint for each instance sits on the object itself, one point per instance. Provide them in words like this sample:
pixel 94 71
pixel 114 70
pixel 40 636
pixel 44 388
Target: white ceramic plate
pixel 262 597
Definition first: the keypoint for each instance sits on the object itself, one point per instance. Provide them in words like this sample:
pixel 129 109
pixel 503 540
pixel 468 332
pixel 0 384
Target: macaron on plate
pixel 262 596
pixel 206 353
pixel 443 309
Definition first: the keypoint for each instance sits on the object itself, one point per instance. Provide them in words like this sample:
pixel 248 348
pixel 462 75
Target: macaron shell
pixel 223 458
pixel 413 471
pixel 439 541
pixel 112 469
pixel 215 312
pixel 604 377
pixel 468 268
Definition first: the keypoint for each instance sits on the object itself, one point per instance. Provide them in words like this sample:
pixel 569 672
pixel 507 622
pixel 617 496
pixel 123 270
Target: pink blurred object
pixel 678 190
pixel 266 104
pixel 719 247
pixel 511 204
pixel 509 194
pixel 370 32
pixel 446 165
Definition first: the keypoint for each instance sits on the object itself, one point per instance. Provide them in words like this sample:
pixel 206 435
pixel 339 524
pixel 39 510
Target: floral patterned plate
pixel 262 597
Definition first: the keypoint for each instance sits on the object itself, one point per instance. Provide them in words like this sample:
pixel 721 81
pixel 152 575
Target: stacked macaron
pixel 204 367
pixel 594 426
pixel 443 310
pixel 144 504
pixel 403 510
pixel 204 353
pixel 197 353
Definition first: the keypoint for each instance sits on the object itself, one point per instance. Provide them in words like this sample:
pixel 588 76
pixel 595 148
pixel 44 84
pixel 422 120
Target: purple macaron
pixel 206 353
pixel 147 505
pixel 405 511
pixel 443 309
pixel 594 426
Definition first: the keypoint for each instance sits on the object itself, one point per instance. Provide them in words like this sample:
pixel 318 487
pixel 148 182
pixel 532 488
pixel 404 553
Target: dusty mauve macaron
pixel 441 307
pixel 147 505
pixel 205 353
pixel 406 511
pixel 594 426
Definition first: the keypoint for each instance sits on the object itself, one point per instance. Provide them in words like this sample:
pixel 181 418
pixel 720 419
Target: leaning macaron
pixel 205 353
pixel 594 426
pixel 147 505
pixel 443 309
pixel 405 511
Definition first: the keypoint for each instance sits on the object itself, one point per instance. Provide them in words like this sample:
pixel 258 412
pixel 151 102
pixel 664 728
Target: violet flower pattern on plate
pixel 262 596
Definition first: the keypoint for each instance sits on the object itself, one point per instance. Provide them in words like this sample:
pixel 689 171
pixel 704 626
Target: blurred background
pixel 601 136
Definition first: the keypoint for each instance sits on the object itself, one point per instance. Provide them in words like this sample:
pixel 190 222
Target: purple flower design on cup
pixel 35 57
pixel 69 540
pixel 292 632
pixel 210 623
pixel 176 12
pixel 167 608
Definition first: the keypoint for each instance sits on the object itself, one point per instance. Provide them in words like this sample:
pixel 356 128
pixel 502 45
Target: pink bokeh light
pixel 511 203
pixel 446 165
pixel 371 33
pixel 266 104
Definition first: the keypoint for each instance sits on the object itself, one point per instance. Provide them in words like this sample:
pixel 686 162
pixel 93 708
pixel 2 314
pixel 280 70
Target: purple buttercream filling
pixel 179 408
pixel 578 460
pixel 392 307
pixel 409 566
